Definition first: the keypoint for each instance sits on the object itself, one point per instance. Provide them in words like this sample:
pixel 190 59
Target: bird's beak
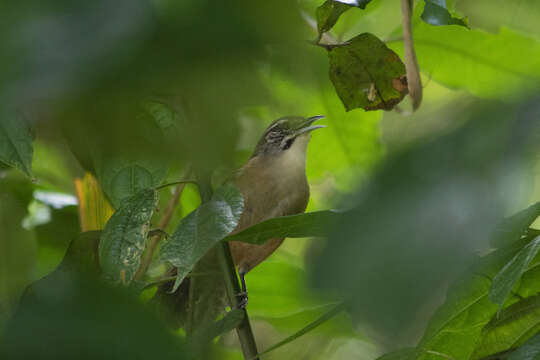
pixel 307 127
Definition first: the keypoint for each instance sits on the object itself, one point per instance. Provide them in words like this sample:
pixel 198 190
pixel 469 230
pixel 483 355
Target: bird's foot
pixel 243 299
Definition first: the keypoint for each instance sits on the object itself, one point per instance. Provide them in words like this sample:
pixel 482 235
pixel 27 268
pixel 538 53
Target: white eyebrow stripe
pixel 279 122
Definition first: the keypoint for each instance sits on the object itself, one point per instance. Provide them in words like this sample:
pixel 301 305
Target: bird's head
pixel 287 134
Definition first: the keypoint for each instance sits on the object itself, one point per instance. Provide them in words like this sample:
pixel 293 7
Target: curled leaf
pixel 367 74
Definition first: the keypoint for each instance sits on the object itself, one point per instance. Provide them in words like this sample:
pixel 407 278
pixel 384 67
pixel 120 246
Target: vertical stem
pixel 232 286
pixel 244 331
pixel 154 240
pixel 411 63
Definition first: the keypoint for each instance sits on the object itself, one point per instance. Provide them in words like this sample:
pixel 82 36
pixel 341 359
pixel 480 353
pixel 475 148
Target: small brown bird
pixel 273 183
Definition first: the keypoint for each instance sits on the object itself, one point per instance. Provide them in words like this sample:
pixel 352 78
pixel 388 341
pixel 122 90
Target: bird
pixel 273 183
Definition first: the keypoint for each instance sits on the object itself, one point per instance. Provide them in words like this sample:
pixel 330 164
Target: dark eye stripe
pixel 288 143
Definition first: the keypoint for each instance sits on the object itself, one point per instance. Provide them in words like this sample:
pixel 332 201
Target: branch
pixel 245 334
pixel 411 63
pixel 163 222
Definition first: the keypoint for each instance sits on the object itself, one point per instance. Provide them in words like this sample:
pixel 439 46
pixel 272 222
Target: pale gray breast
pixel 267 194
pixel 271 191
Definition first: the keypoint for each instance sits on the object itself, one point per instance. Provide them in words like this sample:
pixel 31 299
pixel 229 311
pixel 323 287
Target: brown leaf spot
pixel 400 84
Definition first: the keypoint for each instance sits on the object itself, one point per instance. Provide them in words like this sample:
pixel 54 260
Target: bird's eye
pixel 288 143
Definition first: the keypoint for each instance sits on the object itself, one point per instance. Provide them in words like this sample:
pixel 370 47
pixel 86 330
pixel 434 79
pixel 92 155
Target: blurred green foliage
pixel 136 91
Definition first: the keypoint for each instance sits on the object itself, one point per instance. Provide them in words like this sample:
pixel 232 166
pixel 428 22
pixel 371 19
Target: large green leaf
pixel 229 321
pixel 272 298
pixel 17 245
pixel 510 328
pixel 54 237
pixel 401 354
pixel 424 212
pixel 505 280
pixel 339 325
pixel 79 317
pixel 460 325
pixel 499 65
pixel 306 329
pixel 514 226
pixel 124 237
pixel 199 231
pixel 294 226
pixel 436 13
pixel 520 15
pixel 529 351
pixel 457 324
pixel 367 74
pixel 329 12
pixel 16 142
pixel 121 178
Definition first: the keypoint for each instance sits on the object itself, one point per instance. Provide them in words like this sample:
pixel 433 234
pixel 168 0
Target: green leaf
pixel 162 114
pixel 504 281
pixel 425 211
pixel 293 226
pixel 16 142
pixel 206 293
pixel 367 74
pixel 457 327
pixel 339 326
pixel 121 178
pixel 510 328
pixel 436 13
pixel 199 231
pixel 75 313
pixel 329 12
pixel 124 237
pixel 401 354
pixel 55 236
pixel 17 245
pixel 529 351
pixel 502 65
pixel 81 255
pixel 457 324
pixel 520 15
pixel 230 321
pixel 294 295
pixel 514 226
pixel 309 327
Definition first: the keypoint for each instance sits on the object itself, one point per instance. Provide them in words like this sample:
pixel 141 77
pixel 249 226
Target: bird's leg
pixel 243 295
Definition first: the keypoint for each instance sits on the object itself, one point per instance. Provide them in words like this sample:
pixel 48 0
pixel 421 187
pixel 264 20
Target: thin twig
pixel 414 82
pixel 163 222
pixel 179 182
